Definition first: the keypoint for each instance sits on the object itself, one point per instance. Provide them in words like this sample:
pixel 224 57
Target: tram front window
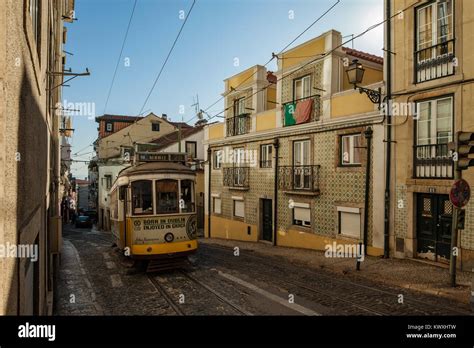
pixel 142 201
pixel 187 195
pixel 167 196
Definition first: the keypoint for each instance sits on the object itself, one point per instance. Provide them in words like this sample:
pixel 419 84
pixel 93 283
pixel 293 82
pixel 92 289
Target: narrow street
pixel 96 279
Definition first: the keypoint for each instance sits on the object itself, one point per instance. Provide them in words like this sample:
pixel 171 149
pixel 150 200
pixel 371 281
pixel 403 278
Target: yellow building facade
pixel 432 100
pixel 289 162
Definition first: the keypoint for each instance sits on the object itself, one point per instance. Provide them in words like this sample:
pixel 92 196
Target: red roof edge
pixel 363 55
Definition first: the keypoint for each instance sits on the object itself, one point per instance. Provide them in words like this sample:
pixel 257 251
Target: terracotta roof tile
pixel 363 55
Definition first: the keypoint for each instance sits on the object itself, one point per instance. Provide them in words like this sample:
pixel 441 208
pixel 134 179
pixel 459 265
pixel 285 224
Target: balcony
pixel 434 62
pixel 289 118
pixel 238 125
pixel 433 161
pixel 236 177
pixel 299 178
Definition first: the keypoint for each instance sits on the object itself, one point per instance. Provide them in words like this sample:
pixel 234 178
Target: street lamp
pixel 355 74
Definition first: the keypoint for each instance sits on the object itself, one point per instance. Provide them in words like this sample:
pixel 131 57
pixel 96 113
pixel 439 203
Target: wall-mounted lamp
pixel 355 75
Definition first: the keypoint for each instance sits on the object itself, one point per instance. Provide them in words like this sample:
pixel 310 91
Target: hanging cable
pixel 120 56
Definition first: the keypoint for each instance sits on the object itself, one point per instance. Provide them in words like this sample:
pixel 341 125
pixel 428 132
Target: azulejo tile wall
pixel 401 211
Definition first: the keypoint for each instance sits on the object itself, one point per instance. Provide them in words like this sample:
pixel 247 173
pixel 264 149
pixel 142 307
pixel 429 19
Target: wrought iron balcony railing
pixel 299 178
pixel 238 125
pixel 236 177
pixel 435 61
pixel 433 161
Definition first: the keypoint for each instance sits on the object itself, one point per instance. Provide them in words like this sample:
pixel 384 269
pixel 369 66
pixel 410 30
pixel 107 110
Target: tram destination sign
pixel 161 157
pixel 460 193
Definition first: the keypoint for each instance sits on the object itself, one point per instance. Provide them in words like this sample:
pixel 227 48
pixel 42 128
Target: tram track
pixel 222 298
pixel 262 261
pixel 164 293
pixel 176 307
pixel 297 284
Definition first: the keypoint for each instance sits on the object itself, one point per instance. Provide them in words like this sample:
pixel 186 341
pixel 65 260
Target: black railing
pixel 238 125
pixel 435 61
pixel 433 161
pixel 236 177
pixel 315 112
pixel 299 178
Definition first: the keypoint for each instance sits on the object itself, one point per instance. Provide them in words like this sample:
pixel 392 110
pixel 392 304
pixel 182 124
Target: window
pixel 266 156
pixel 239 106
pixel 108 181
pixel 35 13
pixel 217 205
pixel 239 159
pixel 301 161
pixel 435 24
pixel 142 201
pixel 122 192
pixel 155 127
pixel 435 122
pixel 191 148
pixel 302 215
pixel 239 208
pixel 167 196
pixel 217 159
pixel 350 150
pixel 302 87
pixel 349 222
pixel 109 126
pixel 187 196
pixel 435 40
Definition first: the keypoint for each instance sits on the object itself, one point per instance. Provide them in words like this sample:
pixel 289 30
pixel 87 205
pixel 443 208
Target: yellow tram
pixel 153 211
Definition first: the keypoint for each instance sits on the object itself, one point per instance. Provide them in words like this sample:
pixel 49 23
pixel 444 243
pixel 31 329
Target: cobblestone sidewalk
pixel 405 273
pixel 75 293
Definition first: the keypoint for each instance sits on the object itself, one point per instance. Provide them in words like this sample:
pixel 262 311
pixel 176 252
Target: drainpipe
pixel 276 145
pixel 368 135
pixel 209 152
pixel 389 130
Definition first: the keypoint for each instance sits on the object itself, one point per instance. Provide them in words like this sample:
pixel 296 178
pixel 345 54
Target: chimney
pixel 164 117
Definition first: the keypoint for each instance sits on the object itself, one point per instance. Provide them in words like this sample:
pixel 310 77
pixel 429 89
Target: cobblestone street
pixel 96 279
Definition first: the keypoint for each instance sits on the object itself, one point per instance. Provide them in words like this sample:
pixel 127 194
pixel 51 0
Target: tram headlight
pixel 169 237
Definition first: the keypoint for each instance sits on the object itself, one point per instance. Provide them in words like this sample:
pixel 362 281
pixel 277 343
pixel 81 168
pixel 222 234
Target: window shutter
pixel 239 209
pixel 303 214
pixel 350 224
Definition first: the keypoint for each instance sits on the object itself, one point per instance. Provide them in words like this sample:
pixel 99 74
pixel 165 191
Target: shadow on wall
pixel 31 189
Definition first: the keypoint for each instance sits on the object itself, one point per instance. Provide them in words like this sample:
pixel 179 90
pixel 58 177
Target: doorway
pixel 433 227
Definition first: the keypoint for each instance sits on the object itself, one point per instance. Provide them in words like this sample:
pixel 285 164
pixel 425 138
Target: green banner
pixel 289 114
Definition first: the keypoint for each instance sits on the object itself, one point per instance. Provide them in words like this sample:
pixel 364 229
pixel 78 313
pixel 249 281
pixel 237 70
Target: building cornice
pixel 308 128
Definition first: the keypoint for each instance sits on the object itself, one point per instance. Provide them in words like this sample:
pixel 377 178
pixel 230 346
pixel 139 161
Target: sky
pixel 216 32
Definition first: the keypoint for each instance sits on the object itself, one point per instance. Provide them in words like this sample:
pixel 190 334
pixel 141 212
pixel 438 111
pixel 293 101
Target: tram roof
pixel 157 167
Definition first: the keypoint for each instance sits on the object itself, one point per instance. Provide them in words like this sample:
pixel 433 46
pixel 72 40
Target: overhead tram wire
pixel 273 56
pixel 323 55
pixel 120 55
pixel 167 57
pixel 82 149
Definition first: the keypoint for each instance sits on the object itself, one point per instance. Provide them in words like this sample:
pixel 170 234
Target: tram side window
pixel 167 196
pixel 187 195
pixel 142 201
pixel 122 192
